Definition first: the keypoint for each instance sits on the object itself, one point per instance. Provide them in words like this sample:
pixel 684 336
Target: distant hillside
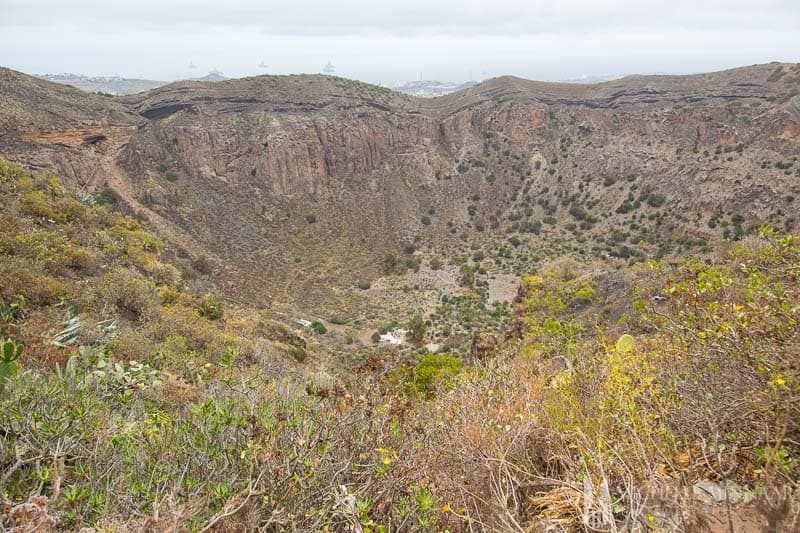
pixel 104 84
pixel 117 85
pixel 213 75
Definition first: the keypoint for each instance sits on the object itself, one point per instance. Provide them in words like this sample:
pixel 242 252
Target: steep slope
pixel 55 127
pixel 128 403
pixel 298 186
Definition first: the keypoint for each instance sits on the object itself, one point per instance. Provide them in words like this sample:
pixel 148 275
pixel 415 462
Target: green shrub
pixel 299 354
pixel 416 329
pixel 391 264
pixel 466 276
pixel 435 369
pixel 108 196
pixel 201 264
pixel 578 212
pixel 210 307
pixel 386 327
pixel 656 199
pixel 11 313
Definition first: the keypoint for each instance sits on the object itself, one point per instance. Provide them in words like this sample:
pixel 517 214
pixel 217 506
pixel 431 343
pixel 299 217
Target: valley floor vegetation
pixel 130 403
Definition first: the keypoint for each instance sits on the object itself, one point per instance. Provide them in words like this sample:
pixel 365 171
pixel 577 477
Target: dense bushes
pixel 168 420
pixel 434 370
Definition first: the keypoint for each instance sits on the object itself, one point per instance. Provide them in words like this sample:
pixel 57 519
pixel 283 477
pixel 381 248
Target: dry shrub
pixel 165 274
pixel 182 321
pixel 128 292
pixel 565 268
pixel 132 344
pixel 562 506
pixel 18 278
pixel 31 516
pixel 178 391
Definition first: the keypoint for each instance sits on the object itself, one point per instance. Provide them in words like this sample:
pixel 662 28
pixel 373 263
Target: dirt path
pixel 163 227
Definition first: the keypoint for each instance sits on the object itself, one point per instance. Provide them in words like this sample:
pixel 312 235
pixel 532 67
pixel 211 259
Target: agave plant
pixel 69 334
pixel 86 198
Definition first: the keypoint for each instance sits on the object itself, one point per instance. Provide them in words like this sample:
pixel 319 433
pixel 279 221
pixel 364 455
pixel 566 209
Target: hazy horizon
pixel 391 42
pixel 198 73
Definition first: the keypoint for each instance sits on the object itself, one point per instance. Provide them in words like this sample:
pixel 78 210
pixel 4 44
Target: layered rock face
pixel 300 184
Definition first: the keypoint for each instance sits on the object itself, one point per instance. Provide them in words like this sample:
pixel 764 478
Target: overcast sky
pixel 391 41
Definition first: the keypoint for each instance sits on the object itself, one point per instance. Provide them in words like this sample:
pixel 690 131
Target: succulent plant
pixel 10 350
pixel 625 343
pixel 72 325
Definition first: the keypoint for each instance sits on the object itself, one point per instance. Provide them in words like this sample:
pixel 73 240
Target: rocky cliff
pixel 297 186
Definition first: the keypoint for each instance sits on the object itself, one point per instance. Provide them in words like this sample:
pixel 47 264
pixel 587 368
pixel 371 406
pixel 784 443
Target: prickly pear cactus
pixel 625 343
pixel 10 350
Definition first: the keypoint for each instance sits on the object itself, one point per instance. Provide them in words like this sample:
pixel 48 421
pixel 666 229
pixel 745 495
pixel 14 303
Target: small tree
pixel 467 276
pixel 416 329
pixel 392 265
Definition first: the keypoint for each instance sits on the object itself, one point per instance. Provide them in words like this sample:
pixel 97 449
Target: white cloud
pixel 389 41
pixel 462 17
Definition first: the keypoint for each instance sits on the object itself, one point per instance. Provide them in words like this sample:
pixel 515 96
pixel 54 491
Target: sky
pixel 388 42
